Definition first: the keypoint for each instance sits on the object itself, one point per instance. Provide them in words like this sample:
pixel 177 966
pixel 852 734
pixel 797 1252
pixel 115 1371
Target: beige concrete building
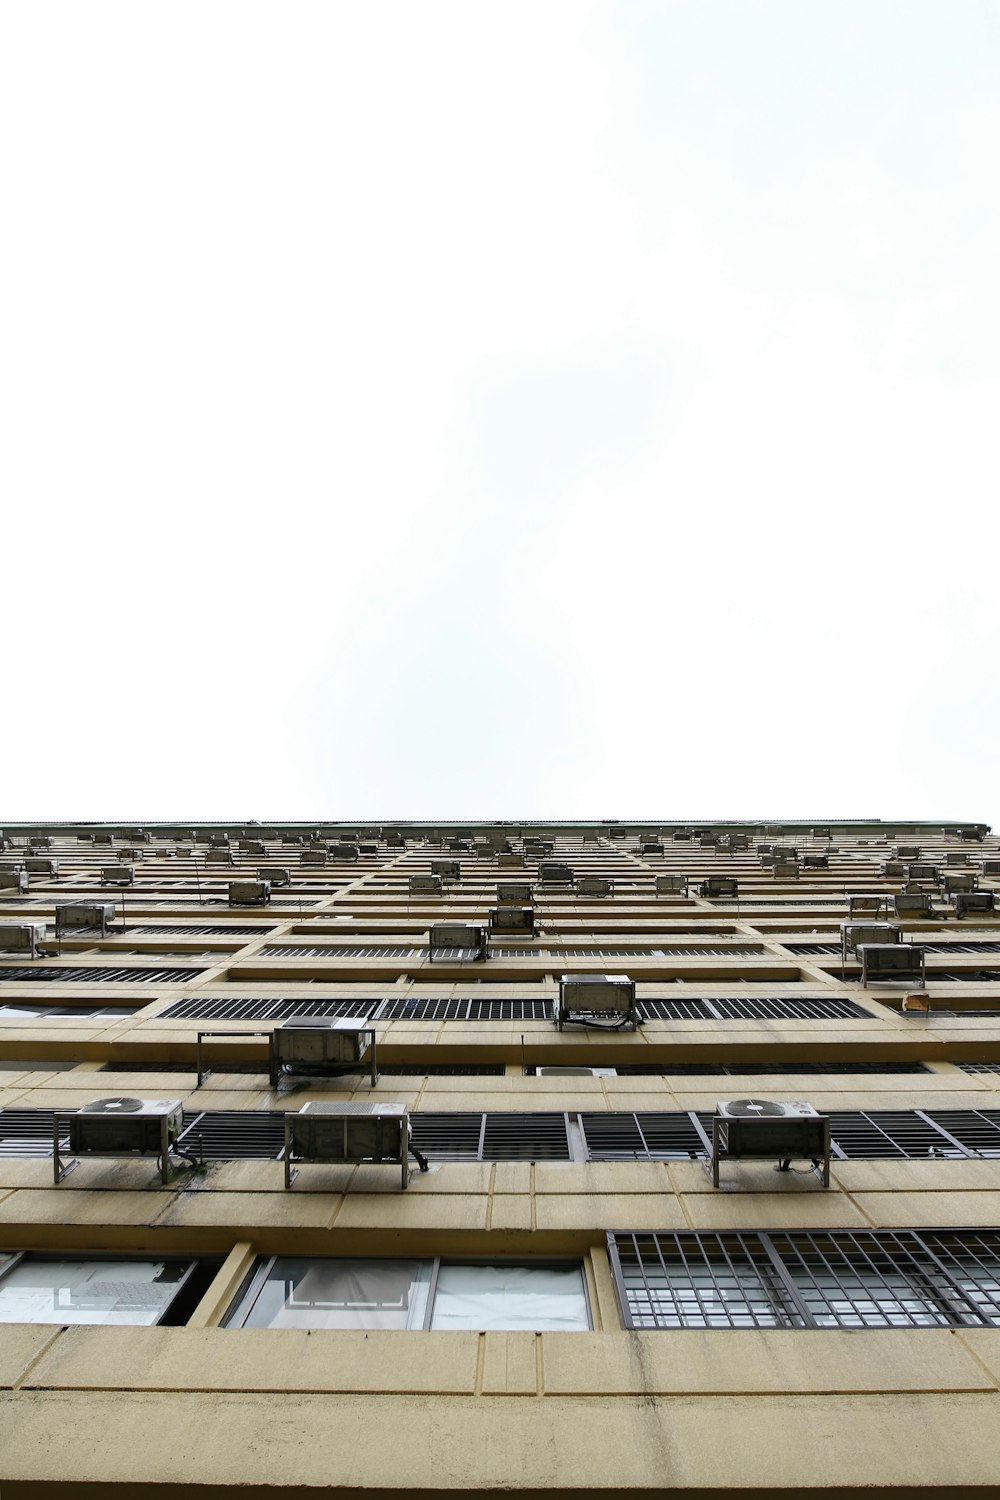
pixel 455 1230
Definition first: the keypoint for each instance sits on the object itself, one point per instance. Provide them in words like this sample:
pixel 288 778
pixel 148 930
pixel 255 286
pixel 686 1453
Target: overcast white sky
pixel 500 410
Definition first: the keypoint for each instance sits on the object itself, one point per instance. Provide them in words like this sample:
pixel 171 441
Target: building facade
pixel 560 1159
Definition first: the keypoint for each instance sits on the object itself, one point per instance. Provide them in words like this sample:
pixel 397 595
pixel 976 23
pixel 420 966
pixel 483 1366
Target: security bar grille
pixel 197 931
pixel 865 1279
pixel 256 1008
pixel 754 1008
pixel 41 975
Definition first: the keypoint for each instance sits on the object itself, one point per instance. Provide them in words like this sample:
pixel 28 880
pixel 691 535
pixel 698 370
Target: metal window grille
pixel 864 1279
pixel 756 1007
pixel 199 931
pixel 41 974
pixel 256 1008
pixel 291 950
pixel 643 1137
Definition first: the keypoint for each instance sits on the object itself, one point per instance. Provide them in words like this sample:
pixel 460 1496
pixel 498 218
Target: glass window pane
pixel 539 1298
pixel 300 1293
pixel 89 1291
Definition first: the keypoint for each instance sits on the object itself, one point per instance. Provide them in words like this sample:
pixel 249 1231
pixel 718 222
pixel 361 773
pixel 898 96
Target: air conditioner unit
pixel 15 879
pixel 596 999
pixel 368 848
pixel 616 833
pixel 822 833
pixel 893 869
pixel 594 885
pixel 220 854
pixel 425 885
pixel 127 855
pixel 249 892
pixel 343 853
pixel 278 875
pixel 323 1047
pixel 117 875
pixel 815 861
pixel 104 838
pixel 651 846
pixel 906 851
pixel 218 840
pixel 41 841
pixel 739 841
pixel 719 885
pixel 47 867
pixel 991 867
pixel 516 892
pixel 519 919
pixel 871 902
pixel 312 858
pixel 460 846
pixel 895 963
pixel 554 872
pixel 510 861
pixel 956 857
pixel 457 942
pixel 256 847
pixel 913 903
pixel 85 914
pixel 119 1127
pixel 395 841
pixel 22 937
pixel 448 869
pixel 959 880
pixel 785 869
pixel 923 872
pixel 682 835
pixel 852 934
pixel 538 847
pixel 671 885
pixel 756 1129
pixel 350 1134
pixel 967 902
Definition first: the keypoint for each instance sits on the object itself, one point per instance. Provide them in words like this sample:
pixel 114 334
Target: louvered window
pixel 256 1008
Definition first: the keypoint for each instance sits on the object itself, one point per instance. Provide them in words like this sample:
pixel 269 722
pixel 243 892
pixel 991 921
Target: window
pixel 864 1279
pixel 292 1292
pixel 41 1289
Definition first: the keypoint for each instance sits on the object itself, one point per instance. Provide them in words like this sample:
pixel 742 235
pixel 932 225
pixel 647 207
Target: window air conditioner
pixel 671 885
pixel 455 941
pixel 719 885
pixel 516 892
pixel 651 846
pixel 755 1129
pixel 509 861
pixel 906 851
pixel 218 840
pixel 322 1047
pixel 594 885
pixel 815 861
pixel 823 833
pixel 895 963
pixel 596 999
pixel 86 914
pixel 967 902
pixel 49 867
pixel 256 847
pixel 426 885
pixel 14 879
pixel 278 875
pixel 119 1127
pixel 350 1134
pixel 312 858
pixel 913 903
pixel 929 874
pixel 991 867
pixel 117 875
pixel 220 854
pixel 956 857
pixel 959 880
pixel 893 869
pixel 853 934
pixel 520 919
pixel 554 872
pixel 344 853
pixel 22 937
pixel 448 869
pixel 249 892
